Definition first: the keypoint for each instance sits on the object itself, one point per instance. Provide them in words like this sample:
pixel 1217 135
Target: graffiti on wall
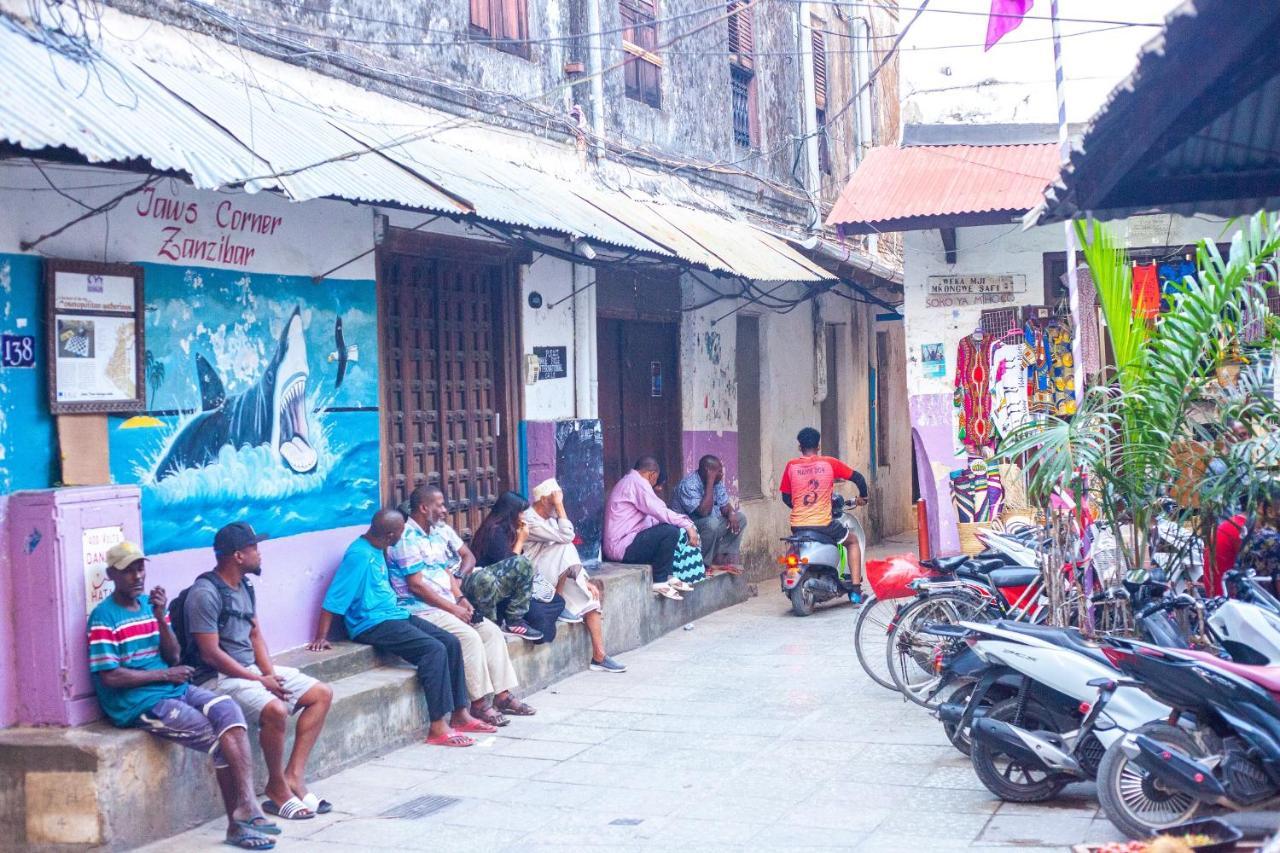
pixel 580 472
pixel 262 393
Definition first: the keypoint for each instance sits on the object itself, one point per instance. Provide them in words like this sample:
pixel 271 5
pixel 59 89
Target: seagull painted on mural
pixel 342 354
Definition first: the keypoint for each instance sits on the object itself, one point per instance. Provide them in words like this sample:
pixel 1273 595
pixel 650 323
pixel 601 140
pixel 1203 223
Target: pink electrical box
pixel 58 542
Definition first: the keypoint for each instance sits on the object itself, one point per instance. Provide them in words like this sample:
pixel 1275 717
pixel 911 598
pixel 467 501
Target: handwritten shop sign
pixel 959 290
pixel 204 231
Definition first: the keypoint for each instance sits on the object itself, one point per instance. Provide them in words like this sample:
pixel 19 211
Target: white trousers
pixel 484 653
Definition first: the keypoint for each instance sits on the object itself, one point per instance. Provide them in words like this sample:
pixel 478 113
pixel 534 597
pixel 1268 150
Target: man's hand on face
pixel 158 600
pixel 275 685
pixel 178 674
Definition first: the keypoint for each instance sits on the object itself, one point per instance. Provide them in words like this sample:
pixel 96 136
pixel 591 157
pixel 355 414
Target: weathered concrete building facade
pixel 519 240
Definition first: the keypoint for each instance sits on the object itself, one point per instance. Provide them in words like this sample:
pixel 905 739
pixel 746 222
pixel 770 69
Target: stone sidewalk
pixel 753 730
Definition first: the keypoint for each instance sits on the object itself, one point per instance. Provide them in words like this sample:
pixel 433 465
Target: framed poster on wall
pixel 94 316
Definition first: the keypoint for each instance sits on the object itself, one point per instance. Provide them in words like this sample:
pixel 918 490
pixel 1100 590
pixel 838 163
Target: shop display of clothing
pixel 1062 370
pixel 973 391
pixel 1090 334
pixel 1173 274
pixel 977 493
pixel 1039 370
pixel 1009 409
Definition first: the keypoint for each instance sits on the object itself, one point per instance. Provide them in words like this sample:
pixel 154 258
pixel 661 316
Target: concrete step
pixel 99 786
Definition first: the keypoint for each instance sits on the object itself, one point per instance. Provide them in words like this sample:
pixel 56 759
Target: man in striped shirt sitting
pixel 134 659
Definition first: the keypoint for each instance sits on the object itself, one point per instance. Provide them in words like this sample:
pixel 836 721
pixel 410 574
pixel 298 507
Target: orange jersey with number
pixel 810 481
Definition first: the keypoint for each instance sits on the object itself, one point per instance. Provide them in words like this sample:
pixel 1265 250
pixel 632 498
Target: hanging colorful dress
pixel 973 391
pixel 1039 370
pixel 1062 369
pixel 1009 409
pixel 1146 292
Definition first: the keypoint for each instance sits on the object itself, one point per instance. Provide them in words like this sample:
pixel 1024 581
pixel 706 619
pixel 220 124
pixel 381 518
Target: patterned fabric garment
pixel 973 391
pixel 1039 370
pixel 1090 336
pixel 1261 552
pixel 1062 370
pixel 508 584
pixel 1009 409
pixel 687 565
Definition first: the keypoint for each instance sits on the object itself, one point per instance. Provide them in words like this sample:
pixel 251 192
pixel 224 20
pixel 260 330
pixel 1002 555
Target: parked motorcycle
pixel 1219 746
pixel 814 568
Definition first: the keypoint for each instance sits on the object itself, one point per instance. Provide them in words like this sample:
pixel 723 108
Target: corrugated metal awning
pixel 234 124
pixel 932 186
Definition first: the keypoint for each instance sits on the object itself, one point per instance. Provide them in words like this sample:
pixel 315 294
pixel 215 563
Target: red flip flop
pixel 476 727
pixel 451 739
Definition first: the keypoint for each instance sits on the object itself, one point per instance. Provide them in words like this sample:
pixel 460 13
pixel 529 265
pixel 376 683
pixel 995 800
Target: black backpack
pixel 178 620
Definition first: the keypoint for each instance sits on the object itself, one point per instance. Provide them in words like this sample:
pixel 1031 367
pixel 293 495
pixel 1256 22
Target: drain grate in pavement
pixel 626 821
pixel 419 808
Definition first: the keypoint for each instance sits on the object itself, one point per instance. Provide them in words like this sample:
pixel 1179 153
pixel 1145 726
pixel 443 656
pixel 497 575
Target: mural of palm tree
pixel 155 375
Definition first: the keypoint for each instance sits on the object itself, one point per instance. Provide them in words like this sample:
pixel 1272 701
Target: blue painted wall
pixel 27 446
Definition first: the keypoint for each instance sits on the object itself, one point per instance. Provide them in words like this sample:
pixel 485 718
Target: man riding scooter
pixel 807 485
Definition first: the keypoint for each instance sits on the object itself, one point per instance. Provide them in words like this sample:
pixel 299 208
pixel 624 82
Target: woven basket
pixel 970 544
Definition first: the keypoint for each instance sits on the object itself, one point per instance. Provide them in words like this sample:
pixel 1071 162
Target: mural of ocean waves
pixel 251 484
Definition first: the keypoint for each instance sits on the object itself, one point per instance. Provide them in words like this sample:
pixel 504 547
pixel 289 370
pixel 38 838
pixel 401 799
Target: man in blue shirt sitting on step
pixel 361 594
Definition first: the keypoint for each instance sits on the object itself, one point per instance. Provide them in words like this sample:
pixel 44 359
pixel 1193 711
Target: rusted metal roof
pixel 906 189
pixel 222 126
pixel 1195 128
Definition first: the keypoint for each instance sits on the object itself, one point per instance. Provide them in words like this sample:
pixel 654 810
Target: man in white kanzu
pixel 550 547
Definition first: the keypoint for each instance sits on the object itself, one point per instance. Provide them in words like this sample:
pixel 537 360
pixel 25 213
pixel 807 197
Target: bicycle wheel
pixel 911 652
pixel 871 638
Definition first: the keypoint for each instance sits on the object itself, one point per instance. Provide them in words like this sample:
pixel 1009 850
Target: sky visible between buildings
pixel 946 77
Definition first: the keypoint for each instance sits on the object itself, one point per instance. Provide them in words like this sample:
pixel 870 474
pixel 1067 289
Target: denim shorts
pixel 197 719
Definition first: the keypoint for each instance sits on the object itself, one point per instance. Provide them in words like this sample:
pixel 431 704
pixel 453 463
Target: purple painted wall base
pixel 540 438
pixel 724 443
pixel 8 665
pixel 934 446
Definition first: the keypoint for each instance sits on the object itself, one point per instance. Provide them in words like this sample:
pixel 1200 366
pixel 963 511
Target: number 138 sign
pixel 17 351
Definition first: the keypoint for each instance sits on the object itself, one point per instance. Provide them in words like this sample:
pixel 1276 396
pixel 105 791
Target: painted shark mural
pixel 262 407
pixel 271 411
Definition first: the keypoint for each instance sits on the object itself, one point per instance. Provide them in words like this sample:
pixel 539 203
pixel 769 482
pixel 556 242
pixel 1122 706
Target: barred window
pixel 742 85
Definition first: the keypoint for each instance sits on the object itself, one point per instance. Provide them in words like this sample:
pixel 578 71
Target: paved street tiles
pixel 754 731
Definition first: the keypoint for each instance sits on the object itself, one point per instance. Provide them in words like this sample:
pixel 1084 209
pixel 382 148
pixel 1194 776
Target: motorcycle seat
pixel 1004 577
pixel 946 565
pixel 811 536
pixel 1266 677
pixel 1068 638
pixel 979 569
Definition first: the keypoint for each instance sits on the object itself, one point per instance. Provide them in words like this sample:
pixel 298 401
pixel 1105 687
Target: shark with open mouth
pixel 272 411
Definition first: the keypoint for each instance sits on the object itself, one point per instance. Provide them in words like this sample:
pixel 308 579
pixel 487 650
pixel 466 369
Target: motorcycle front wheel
pixel 1004 775
pixel 1136 804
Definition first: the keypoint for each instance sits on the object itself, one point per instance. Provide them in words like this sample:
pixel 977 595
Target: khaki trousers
pixel 484 653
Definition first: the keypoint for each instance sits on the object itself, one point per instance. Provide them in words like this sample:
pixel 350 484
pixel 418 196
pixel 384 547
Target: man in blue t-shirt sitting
pixel 361 594
pixel 133 658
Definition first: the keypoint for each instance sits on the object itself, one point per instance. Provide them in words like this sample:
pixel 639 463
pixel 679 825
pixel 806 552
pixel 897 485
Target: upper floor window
pixel 816 29
pixel 742 76
pixel 503 24
pixel 643 68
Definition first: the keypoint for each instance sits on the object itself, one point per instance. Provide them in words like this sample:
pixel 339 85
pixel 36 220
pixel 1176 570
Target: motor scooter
pixel 816 569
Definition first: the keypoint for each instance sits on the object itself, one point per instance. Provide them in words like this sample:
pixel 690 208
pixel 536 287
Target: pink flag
pixel 1006 16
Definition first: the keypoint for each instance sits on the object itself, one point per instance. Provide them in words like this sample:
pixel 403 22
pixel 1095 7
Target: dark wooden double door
pixel 450 342
pixel 639 394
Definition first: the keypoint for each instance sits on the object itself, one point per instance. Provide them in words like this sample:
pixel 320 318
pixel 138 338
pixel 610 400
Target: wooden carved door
pixel 450 402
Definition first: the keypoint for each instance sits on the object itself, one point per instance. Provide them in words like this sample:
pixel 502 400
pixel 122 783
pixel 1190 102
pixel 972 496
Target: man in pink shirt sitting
pixel 639 528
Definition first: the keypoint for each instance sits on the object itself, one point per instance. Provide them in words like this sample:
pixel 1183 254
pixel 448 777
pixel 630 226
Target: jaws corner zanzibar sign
pixel 948 291
pixel 211 232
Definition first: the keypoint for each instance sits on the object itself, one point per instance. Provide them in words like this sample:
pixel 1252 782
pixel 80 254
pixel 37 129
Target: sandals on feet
pixel 316 804
pixel 451 739
pixel 476 727
pixel 247 839
pixel 666 591
pixel 516 708
pixel 291 809
pixel 492 716
pixel 259 825
pixel 679 585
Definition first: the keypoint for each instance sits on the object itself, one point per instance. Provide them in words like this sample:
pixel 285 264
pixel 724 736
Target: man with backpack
pixel 220 623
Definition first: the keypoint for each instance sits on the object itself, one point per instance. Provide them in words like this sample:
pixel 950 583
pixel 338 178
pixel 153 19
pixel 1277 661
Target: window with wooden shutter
pixel 503 24
pixel 742 82
pixel 642 70
pixel 819 63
